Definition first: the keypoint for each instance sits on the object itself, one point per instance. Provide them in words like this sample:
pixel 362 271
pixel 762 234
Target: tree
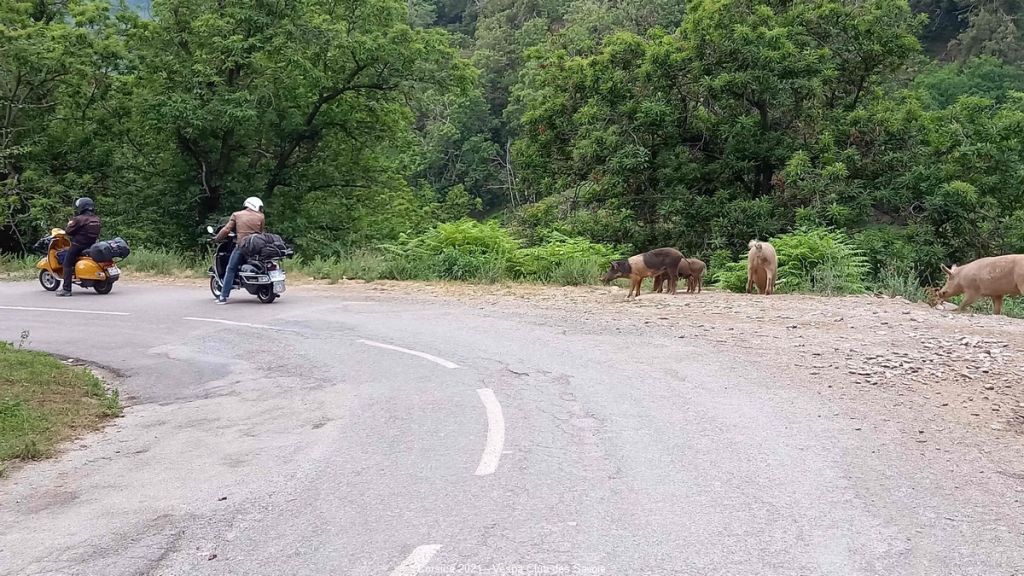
pixel 58 63
pixel 282 99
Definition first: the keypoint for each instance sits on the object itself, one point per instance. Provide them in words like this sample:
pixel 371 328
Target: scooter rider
pixel 83 230
pixel 244 223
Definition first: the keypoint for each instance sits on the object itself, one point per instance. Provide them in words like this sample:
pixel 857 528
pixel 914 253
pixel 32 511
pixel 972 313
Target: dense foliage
pixel 586 128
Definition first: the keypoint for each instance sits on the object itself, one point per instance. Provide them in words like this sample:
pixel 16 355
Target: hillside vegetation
pixel 885 130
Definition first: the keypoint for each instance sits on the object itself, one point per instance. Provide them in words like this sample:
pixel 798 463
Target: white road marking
pixel 423 355
pixel 495 433
pixel 416 561
pixel 246 324
pixel 65 310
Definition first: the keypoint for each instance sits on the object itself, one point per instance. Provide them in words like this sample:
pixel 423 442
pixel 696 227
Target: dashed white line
pixel 65 310
pixel 232 323
pixel 495 433
pixel 416 561
pixel 423 355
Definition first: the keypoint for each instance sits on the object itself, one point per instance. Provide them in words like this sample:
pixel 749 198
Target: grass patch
pixel 155 261
pixel 360 264
pixel 899 282
pixel 164 262
pixel 44 402
pixel 1012 307
pixel 13 267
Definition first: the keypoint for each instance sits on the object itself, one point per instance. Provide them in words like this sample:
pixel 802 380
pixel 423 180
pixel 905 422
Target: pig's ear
pixel 947 270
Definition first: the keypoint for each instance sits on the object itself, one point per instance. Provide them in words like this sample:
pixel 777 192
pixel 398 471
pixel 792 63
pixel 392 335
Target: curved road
pixel 362 433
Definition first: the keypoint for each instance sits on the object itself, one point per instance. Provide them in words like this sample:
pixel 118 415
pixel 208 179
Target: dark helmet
pixel 83 205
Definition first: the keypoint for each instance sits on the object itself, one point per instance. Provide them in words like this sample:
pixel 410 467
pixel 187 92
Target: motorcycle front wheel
pixel 266 294
pixel 215 286
pixel 49 281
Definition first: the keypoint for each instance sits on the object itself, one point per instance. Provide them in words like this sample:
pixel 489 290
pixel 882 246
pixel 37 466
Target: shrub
pixel 465 236
pixel 576 258
pixel 732 276
pixel 819 260
pixel 485 252
pixel 719 260
pixel 816 260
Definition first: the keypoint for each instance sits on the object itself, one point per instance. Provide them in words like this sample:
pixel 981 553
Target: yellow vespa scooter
pixel 100 276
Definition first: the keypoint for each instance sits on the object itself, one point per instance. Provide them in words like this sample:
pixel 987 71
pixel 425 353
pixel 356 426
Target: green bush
pixel 465 236
pixel 719 260
pixel 562 256
pixel 732 276
pixel 820 260
pixel 485 252
pixel 817 260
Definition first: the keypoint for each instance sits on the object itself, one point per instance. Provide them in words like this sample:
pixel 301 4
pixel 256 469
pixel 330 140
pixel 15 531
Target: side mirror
pixel 209 229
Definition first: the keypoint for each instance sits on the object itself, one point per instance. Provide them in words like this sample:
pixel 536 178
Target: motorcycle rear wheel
pixel 266 294
pixel 49 281
pixel 103 287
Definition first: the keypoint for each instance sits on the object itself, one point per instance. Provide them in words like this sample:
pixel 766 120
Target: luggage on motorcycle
pixel 264 246
pixel 108 250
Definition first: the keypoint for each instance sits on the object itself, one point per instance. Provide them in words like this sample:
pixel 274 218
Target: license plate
pixel 279 287
pixel 113 271
pixel 276 275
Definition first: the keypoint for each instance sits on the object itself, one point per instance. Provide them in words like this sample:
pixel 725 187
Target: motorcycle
pixel 262 277
pixel 88 273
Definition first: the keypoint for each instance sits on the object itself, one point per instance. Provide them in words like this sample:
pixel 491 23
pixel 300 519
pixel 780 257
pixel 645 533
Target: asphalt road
pixel 360 434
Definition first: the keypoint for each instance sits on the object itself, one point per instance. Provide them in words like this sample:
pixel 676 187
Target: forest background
pixel 873 140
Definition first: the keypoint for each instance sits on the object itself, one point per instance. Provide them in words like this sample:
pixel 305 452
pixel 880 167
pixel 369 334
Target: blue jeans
pixel 229 275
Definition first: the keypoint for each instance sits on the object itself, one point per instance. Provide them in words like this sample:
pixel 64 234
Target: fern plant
pixel 820 260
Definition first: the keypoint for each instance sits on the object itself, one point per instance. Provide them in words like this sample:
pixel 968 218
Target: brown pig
pixel 636 268
pixel 695 283
pixel 995 277
pixel 762 267
pixel 690 268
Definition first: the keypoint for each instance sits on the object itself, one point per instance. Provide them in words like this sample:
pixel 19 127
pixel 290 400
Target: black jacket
pixel 84 229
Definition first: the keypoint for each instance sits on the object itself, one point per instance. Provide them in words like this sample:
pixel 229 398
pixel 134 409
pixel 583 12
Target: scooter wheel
pixel 266 295
pixel 49 281
pixel 103 287
pixel 215 287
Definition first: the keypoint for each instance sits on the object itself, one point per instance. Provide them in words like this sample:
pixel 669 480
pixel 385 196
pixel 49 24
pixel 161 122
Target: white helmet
pixel 253 203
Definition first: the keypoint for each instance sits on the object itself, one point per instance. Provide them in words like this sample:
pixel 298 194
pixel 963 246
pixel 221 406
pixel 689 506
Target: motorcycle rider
pixel 83 230
pixel 244 223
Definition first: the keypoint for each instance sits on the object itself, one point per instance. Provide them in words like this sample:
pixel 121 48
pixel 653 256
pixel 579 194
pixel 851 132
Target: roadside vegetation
pixel 44 402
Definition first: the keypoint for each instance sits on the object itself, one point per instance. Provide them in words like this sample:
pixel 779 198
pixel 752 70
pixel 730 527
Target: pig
pixel 762 267
pixel 683 272
pixel 995 277
pixel 652 263
pixel 690 268
pixel 695 283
